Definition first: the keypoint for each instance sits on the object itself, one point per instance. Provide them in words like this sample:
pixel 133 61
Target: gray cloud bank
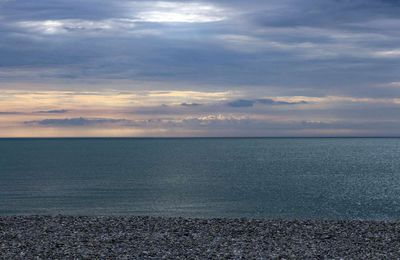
pixel 308 47
pixel 234 126
pixel 277 48
pixel 264 101
pixel 56 111
pixel 10 113
pixel 80 121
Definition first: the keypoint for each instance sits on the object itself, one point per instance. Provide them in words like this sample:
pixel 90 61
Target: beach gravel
pixel 78 237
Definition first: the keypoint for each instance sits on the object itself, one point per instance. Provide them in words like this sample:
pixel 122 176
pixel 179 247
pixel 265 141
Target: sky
pixel 96 68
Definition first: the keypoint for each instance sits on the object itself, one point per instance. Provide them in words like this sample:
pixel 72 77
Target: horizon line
pixel 195 137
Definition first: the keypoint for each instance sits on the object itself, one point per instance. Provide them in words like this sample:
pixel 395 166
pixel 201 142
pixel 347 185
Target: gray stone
pixel 80 237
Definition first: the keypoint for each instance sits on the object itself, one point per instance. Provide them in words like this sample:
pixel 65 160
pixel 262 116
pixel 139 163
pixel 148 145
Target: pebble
pixel 140 237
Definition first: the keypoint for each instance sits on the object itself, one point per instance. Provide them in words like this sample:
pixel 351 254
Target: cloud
pixel 80 121
pixel 10 113
pixel 328 47
pixel 395 53
pixel 263 101
pixel 395 84
pixel 55 111
pixel 190 104
pixel 76 25
pixel 179 12
pixel 335 57
pixel 266 101
pixel 241 103
pixel 191 122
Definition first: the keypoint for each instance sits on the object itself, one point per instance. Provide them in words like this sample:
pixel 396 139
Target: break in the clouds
pixel 279 67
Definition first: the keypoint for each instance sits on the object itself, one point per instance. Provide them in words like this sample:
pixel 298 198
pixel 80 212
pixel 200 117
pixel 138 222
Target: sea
pixel 273 178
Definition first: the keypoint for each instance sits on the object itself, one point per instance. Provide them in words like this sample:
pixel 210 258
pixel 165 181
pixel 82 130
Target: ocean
pixel 284 178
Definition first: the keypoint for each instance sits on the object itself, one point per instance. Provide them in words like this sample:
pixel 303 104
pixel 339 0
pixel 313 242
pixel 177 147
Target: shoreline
pixel 127 237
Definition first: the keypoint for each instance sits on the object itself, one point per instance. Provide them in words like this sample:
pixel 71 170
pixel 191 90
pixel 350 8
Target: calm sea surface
pixel 262 178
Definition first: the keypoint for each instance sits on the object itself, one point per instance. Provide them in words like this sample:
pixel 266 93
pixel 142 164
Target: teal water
pixel 335 178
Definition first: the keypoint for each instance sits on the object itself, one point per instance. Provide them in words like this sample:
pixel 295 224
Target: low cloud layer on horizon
pixel 280 67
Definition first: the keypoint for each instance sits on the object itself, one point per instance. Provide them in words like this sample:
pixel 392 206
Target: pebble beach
pixel 84 237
